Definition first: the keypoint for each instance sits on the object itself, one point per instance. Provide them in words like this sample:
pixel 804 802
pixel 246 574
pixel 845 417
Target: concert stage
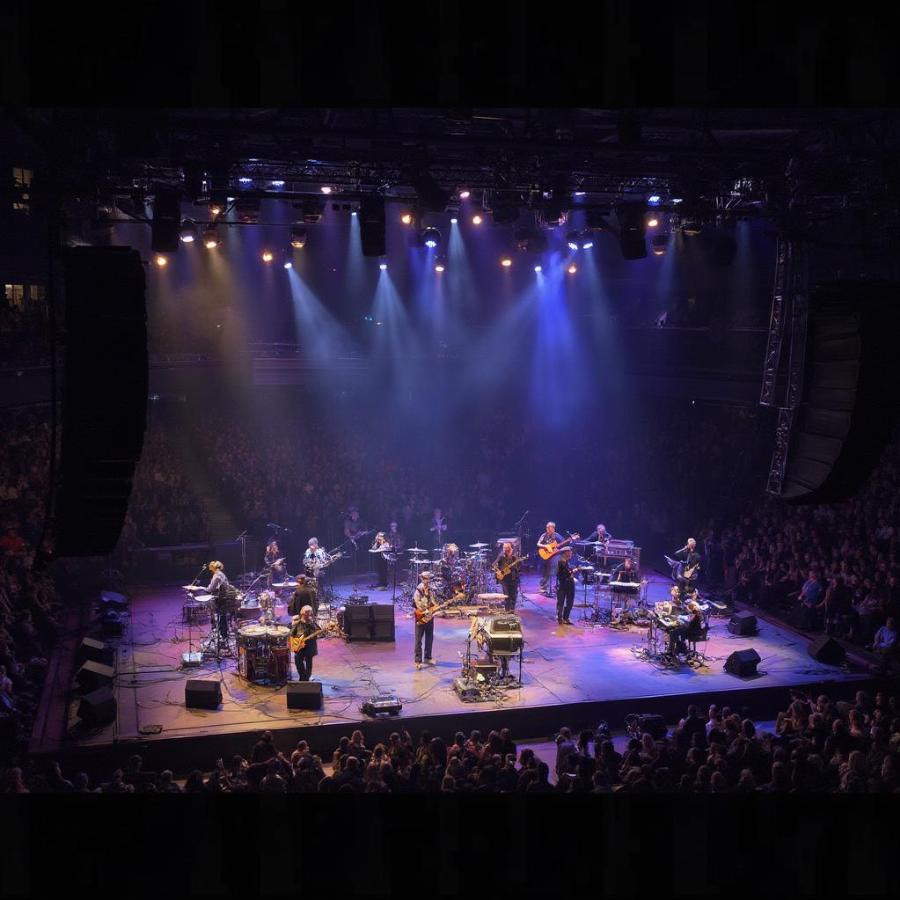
pixel 572 675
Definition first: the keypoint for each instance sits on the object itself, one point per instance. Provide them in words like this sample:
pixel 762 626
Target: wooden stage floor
pixel 572 675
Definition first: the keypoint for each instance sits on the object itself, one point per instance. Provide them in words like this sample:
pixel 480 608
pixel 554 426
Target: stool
pixel 694 655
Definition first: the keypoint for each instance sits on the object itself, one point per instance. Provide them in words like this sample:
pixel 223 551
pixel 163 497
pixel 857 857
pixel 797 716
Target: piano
pixel 629 587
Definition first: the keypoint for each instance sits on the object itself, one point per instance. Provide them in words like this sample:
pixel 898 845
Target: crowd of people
pixel 832 567
pixel 817 745
pixel 30 607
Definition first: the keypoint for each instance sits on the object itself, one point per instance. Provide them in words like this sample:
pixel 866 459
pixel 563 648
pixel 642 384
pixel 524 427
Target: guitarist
pixel 304 595
pixel 510 581
pixel 689 568
pixel 303 626
pixel 549 546
pixel 424 601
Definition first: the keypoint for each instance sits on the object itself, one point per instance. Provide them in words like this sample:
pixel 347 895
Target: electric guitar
pixel 688 574
pixel 424 616
pixel 299 642
pixel 317 566
pixel 501 571
pixel 547 550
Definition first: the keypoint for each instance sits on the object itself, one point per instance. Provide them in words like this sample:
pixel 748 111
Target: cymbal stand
pixel 242 537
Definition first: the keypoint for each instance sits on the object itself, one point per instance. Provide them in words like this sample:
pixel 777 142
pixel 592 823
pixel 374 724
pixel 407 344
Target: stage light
pixel 652 222
pixel 453 220
pixel 653 199
pixel 464 195
pixel 267 256
pixel 313 208
pixel 161 261
pixel 382 266
pixel 188 232
pixel 572 269
pixel 278 184
pixel 586 242
pixel 298 237
pixel 659 244
pixel 326 189
pixel 245 180
pixel 538 268
pixel 215 211
pixel 431 237
pixel 211 238
pixel 572 240
pixel 476 219
pixel 352 212
pixel 406 218
pixel 439 267
pixel 289 265
pixel 506 262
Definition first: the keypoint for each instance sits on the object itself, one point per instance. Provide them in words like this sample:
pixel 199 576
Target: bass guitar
pixel 551 549
pixel 501 571
pixel 300 641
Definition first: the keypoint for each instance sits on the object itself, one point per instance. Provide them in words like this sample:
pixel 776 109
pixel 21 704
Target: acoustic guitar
pixel 548 550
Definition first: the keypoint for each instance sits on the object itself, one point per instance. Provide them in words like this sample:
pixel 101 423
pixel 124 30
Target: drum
pixel 249 608
pixel 277 635
pixel 263 653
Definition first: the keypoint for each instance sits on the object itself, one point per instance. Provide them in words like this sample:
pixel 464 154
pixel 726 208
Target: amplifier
pixel 504 633
pixel 483 668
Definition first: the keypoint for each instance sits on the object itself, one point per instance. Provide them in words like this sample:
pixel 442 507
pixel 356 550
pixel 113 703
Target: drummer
pixel 449 561
pixel 304 595
pixel 303 626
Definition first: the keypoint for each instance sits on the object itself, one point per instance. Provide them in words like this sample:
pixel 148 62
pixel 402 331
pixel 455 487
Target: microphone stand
pixel 242 537
pixel 187 659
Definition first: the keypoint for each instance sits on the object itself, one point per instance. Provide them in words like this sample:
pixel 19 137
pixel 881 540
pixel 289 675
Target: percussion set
pixel 457 576
pixel 263 656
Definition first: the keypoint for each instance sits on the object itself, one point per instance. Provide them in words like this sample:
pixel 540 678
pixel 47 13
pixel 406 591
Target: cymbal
pixel 479 545
pixel 383 549
pixel 284 584
pixel 420 562
pixel 416 550
pixel 193 587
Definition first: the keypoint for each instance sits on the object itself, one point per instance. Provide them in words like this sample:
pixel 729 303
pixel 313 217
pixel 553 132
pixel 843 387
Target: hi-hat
pixel 479 545
pixel 193 587
pixel 416 550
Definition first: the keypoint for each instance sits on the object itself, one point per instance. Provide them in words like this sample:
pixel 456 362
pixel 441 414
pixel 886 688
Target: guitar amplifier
pixel 504 633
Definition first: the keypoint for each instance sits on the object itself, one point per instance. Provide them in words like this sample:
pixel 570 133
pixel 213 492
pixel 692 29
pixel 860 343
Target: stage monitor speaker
pixel 104 409
pixel 743 623
pixel 97 708
pixel 358 622
pixel 304 695
pixel 200 694
pixel 93 675
pixel 825 649
pixel 851 392
pixel 743 663
pixel 94 651
pixel 165 226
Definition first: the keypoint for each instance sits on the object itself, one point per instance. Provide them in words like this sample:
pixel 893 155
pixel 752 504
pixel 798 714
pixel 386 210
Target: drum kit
pixel 263 656
pixel 455 576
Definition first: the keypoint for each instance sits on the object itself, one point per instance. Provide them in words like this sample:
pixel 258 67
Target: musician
pixel 601 534
pixel 382 544
pixel 424 600
pixel 449 561
pixel 273 555
pixel 303 626
pixel 510 582
pixel 565 587
pixel 548 566
pixel 219 587
pixel 315 558
pixel 627 572
pixel 689 568
pixel 354 527
pixel 304 595
pixel 395 538
pixel 438 525
pixel 693 630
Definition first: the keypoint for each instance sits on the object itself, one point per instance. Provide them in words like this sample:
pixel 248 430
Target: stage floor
pixel 563 666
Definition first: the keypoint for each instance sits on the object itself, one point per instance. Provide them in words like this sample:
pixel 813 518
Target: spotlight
pixel 215 211
pixel 453 220
pixel 289 265
pixel 476 219
pixel 407 218
pixel 464 195
pixel 245 180
pixel 267 256
pixel 653 199
pixel 161 261
pixel 431 237
pixel 352 212
pixel 652 222
pixel 439 267
pixel 187 233
pixel 211 238
pixel 298 237
pixel 326 189
pixel 538 268
pixel 659 244
pixel 691 227
pixel 277 184
pixel 573 240
pixel 506 262
pixel 382 266
pixel 572 269
pixel 586 242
